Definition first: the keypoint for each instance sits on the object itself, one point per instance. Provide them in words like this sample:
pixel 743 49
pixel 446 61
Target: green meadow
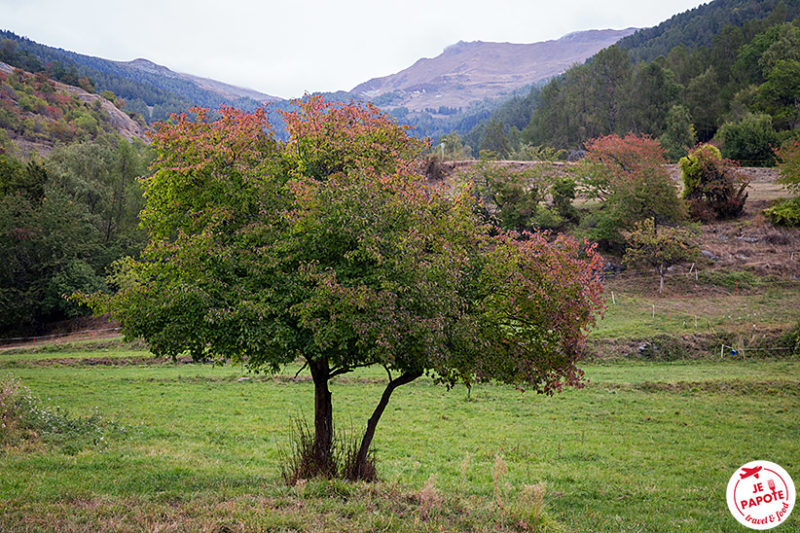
pixel 645 446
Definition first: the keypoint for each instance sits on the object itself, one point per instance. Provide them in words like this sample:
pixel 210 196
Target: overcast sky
pixel 287 48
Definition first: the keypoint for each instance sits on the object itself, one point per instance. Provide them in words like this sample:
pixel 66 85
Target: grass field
pixel 753 312
pixel 644 447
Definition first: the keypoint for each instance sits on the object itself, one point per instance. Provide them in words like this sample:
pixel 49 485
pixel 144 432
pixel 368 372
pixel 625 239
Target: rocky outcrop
pixel 119 120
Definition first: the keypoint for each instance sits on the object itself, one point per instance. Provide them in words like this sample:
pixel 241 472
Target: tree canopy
pixel 63 221
pixel 658 248
pixel 629 176
pixel 331 249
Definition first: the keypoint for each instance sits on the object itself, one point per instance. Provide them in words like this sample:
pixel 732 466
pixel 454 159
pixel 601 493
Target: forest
pixel 67 216
pixel 64 221
pixel 735 82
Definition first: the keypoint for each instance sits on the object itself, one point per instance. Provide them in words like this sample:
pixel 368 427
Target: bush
pixel 597 226
pixel 546 219
pixel 627 174
pixel 789 165
pixel 749 141
pixel 514 195
pixel 563 190
pixel 784 213
pixel 712 185
pixel 787 212
pixel 86 123
pixel 518 204
pixel 791 340
pixel 76 276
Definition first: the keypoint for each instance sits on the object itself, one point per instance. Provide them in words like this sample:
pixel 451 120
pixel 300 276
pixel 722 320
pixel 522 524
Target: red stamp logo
pixel 761 495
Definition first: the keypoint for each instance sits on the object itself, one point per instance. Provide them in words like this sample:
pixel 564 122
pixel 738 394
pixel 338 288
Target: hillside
pixel 451 92
pixel 152 90
pixel 740 91
pixel 36 113
pixel 469 72
pixel 697 27
pixel 226 91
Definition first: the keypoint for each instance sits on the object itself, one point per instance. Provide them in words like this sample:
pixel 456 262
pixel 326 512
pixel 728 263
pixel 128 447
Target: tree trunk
pixel 323 418
pixel 360 468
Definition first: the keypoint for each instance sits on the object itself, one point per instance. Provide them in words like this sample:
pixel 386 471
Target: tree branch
pixel 345 369
pixel 301 369
pixel 341 370
pixel 372 423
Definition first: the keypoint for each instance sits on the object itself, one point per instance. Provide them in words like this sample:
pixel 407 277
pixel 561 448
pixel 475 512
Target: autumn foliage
pixel 629 176
pixel 329 248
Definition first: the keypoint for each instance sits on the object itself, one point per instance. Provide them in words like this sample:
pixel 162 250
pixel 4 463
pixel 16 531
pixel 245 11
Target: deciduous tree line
pixel 63 221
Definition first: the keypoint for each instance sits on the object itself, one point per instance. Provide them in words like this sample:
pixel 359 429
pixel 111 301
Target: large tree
pixel 679 136
pixel 780 94
pixel 330 249
pixel 612 68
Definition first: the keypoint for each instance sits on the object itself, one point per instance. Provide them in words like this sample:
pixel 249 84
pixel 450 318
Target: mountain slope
pixel 453 91
pixel 697 27
pixel 149 89
pixel 225 90
pixel 740 90
pixel 37 113
pixel 466 73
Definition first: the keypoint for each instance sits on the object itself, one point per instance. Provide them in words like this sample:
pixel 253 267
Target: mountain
pixel 152 90
pixel 451 92
pixel 225 90
pixel 469 72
